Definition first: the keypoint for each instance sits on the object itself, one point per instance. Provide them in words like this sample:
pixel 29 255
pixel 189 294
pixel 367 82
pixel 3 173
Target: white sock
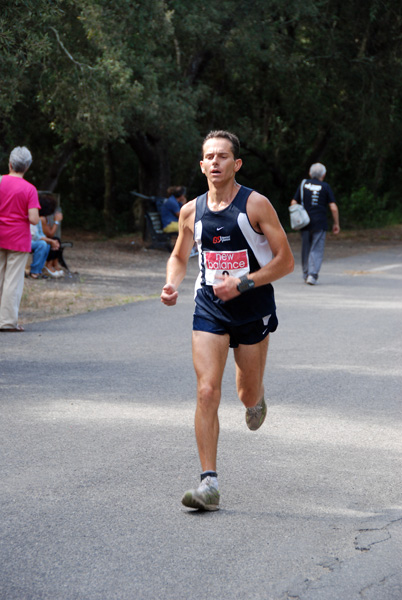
pixel 213 481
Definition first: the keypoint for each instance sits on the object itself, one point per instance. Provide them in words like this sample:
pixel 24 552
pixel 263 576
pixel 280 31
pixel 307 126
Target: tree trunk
pixel 319 146
pixel 49 183
pixel 154 172
pixel 108 204
pixel 379 173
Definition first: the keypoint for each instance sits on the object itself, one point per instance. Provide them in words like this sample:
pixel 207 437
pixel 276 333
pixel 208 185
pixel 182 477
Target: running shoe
pixel 311 280
pixel 255 416
pixel 205 497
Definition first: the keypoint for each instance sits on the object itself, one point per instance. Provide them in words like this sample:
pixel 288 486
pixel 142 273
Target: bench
pixel 154 232
pixel 153 225
pixel 61 257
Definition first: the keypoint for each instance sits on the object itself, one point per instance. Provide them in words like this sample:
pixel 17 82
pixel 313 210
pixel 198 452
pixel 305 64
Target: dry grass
pixel 40 303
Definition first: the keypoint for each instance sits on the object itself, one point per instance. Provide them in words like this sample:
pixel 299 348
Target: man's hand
pixel 169 295
pixel 335 216
pixel 227 289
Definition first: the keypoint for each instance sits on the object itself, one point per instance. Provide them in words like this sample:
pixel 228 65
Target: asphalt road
pixel 97 448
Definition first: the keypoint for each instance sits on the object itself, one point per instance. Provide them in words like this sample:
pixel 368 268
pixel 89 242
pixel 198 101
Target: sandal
pixel 34 275
pixel 18 328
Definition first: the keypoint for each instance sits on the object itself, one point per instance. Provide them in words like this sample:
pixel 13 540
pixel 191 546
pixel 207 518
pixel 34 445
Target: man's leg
pixel 305 252
pixel 316 253
pixel 209 356
pixel 250 367
pixel 173 227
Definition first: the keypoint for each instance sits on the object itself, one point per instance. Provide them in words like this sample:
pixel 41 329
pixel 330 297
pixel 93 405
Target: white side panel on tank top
pixel 258 242
pixel 197 239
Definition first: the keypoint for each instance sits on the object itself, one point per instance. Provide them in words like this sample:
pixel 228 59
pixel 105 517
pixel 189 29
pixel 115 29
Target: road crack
pixel 369 537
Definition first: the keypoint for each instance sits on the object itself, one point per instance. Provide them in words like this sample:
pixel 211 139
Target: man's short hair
pixel 227 135
pixel 317 170
pixel 20 159
pixel 176 191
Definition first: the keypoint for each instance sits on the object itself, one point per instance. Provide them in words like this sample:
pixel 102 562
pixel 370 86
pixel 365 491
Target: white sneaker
pixel 54 274
pixel 205 497
pixel 310 280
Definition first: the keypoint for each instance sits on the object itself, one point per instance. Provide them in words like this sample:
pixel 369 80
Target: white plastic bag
pixel 298 216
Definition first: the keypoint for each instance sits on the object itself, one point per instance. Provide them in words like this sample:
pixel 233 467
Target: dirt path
pixel 118 271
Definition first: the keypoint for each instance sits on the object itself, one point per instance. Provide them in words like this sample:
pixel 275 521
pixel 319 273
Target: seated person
pixel 41 246
pixel 51 219
pixel 170 209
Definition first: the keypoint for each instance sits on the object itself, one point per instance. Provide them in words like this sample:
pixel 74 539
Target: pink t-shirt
pixel 17 196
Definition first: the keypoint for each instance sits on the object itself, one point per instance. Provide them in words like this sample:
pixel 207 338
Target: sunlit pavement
pixel 98 446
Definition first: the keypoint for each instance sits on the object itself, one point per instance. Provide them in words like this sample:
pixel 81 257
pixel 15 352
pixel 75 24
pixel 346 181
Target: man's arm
pixel 177 263
pixel 335 216
pixel 264 219
pixel 296 198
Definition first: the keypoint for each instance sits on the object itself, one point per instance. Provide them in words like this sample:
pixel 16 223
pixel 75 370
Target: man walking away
pixel 316 196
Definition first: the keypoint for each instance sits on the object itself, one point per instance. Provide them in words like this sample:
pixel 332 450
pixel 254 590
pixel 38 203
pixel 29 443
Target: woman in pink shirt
pixel 19 206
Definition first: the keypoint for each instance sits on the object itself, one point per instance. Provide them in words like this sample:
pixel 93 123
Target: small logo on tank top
pixel 218 239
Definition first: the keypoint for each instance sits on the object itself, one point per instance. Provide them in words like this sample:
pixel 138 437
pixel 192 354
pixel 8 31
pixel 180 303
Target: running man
pixel 242 250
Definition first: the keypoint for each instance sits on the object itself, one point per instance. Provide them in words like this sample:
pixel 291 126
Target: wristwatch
pixel 245 284
pixel 56 222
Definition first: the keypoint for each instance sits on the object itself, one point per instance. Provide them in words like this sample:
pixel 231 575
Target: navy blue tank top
pixel 227 243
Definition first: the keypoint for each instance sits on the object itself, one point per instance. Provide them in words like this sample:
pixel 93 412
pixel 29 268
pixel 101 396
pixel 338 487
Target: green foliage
pixel 299 82
pixel 364 209
pixel 22 45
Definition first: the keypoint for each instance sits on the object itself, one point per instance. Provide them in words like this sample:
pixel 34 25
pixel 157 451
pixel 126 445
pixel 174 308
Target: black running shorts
pixel 247 334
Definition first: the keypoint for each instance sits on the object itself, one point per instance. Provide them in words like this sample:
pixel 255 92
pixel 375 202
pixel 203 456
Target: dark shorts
pixel 247 334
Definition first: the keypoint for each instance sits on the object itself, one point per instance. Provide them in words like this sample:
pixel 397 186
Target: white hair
pixel 20 159
pixel 317 170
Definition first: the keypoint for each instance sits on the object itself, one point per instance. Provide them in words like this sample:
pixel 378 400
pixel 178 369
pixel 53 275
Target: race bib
pixel 218 264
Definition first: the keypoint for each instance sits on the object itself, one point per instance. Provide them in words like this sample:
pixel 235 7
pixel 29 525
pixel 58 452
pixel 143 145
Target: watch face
pixel 245 284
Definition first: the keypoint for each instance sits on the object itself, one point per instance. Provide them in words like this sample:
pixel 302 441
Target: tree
pixel 23 44
pixel 298 82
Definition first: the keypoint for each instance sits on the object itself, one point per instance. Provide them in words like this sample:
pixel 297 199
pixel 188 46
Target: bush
pixel 363 210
